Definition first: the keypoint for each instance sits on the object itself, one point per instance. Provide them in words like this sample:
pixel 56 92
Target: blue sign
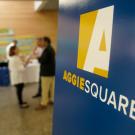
pixel 95 71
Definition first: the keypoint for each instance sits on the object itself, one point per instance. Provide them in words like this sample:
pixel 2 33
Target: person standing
pixel 16 68
pixel 37 52
pixel 47 73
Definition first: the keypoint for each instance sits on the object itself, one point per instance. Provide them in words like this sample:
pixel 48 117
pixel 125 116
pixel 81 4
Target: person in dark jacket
pixel 47 73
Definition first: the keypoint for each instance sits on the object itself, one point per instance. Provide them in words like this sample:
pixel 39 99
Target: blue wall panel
pixel 75 111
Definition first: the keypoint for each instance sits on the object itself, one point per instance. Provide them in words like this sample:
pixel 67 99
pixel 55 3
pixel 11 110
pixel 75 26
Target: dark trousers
pixel 39 88
pixel 19 92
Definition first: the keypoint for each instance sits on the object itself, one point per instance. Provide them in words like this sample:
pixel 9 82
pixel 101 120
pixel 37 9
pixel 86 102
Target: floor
pixel 16 121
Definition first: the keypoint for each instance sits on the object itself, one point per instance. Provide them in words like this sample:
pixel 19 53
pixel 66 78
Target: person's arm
pixel 35 54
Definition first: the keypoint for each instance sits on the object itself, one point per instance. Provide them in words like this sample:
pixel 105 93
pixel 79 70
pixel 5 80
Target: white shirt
pixel 8 49
pixel 16 68
pixel 39 51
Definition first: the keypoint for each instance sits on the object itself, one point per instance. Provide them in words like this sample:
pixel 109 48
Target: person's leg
pixel 52 90
pixel 19 89
pixel 38 94
pixel 45 81
pixel 39 88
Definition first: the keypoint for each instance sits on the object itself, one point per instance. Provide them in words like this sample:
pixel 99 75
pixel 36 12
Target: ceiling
pixel 46 5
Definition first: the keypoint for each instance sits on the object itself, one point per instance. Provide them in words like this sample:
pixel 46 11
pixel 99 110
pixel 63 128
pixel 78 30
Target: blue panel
pixel 75 111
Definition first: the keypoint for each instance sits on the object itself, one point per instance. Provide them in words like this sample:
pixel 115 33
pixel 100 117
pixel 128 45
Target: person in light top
pixel 14 43
pixel 16 68
pixel 38 50
pixel 37 53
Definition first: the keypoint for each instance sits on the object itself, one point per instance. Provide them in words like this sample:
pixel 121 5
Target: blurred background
pixel 25 21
